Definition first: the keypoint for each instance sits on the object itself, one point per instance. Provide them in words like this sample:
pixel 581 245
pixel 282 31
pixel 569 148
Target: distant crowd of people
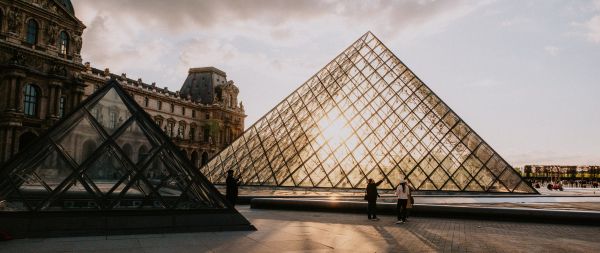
pixel 560 184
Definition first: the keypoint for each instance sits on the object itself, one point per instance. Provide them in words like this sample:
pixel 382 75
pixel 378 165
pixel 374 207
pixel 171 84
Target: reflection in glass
pixel 110 111
pixel 134 143
pixel 81 141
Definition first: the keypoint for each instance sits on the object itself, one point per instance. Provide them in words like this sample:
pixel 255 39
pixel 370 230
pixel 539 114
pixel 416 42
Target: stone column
pixel 5 89
pixel 58 96
pixel 19 94
pixel 3 144
pixel 54 99
pixel 14 87
pixel 50 113
pixel 79 91
pixel 7 142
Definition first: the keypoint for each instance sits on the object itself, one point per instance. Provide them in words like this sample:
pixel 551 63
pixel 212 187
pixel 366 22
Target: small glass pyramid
pixel 106 155
pixel 365 115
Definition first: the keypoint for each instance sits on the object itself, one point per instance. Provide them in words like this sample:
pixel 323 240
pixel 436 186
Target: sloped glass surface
pixel 166 180
pixel 134 143
pixel 139 195
pixel 37 178
pixel 48 174
pixel 107 171
pixel 81 141
pixel 110 112
pixel 81 167
pixel 365 115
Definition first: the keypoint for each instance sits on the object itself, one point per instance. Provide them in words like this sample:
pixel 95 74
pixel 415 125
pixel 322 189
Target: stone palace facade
pixel 42 78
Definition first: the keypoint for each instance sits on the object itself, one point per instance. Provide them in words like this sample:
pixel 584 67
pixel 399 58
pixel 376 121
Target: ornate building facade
pixel 42 78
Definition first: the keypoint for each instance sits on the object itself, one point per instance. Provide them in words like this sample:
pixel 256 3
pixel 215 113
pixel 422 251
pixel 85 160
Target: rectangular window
pixel 207 116
pixel 172 108
pixel 159 122
pixel 192 133
pixel 206 134
pixel 183 111
pixel 146 100
pixel 194 114
pixel 30 101
pixel 95 112
pixel 61 106
pixel 159 103
pixel 113 120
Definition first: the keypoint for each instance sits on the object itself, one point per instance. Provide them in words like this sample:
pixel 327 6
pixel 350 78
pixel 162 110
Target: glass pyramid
pixel 365 115
pixel 107 155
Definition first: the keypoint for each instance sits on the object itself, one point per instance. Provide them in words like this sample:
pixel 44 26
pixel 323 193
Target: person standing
pixel 371 198
pixel 403 193
pixel 231 192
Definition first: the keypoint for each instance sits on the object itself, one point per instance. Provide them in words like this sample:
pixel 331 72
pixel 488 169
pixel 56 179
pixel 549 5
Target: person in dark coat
pixel 372 198
pixel 231 192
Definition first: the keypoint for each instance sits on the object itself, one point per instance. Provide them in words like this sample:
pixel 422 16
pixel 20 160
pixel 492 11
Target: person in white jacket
pixel 403 193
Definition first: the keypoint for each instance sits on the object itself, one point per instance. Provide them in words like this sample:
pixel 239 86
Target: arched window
pixel 64 42
pixel 194 159
pixel 170 129
pixel 26 139
pixel 192 133
pixel 204 158
pixel 30 99
pixel 32 32
pixel 181 130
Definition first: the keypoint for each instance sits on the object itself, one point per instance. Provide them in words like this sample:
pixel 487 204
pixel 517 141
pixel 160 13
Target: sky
pixel 523 74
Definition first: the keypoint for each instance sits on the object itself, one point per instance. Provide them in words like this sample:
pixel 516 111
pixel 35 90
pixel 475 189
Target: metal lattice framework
pixel 365 115
pixel 106 155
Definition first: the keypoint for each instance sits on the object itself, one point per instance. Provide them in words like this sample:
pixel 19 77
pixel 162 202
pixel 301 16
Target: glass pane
pixel 417 177
pixel 107 171
pixel 134 143
pixel 51 172
pixel 439 177
pixel 166 180
pixel 510 179
pixel 461 177
pixel 111 112
pixel 81 141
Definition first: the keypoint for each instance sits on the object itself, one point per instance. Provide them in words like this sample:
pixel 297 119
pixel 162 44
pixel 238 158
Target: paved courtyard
pixel 291 231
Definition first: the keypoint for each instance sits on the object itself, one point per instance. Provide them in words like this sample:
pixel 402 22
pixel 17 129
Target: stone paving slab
pixel 292 231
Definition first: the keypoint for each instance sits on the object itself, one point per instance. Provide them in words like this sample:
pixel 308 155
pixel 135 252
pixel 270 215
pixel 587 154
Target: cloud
pixel 593 29
pixel 266 46
pixel 517 21
pixel 177 16
pixel 552 50
pixel 484 83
